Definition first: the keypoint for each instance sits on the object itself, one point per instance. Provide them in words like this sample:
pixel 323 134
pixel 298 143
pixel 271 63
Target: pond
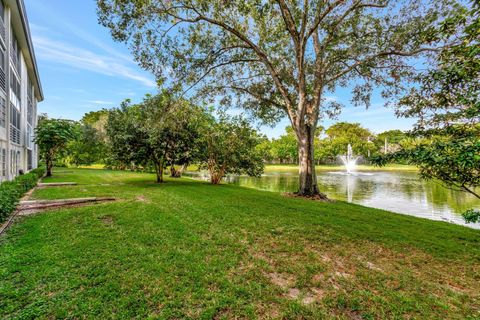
pixel 400 192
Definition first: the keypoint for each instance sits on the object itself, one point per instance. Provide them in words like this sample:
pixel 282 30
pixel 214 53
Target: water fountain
pixel 349 160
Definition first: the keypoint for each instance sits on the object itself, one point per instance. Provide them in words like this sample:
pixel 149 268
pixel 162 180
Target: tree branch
pixel 261 54
pixel 207 72
pixel 378 55
pixel 319 18
pixel 289 22
pixel 257 96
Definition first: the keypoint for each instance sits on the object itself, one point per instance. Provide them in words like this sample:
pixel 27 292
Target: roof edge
pixel 26 28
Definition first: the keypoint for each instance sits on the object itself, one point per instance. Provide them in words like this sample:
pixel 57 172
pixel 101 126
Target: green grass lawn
pixel 189 250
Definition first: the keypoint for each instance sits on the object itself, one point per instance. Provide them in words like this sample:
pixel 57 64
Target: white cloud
pixel 100 102
pixel 75 57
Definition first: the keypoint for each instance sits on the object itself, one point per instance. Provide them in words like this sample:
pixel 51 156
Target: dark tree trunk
pixel 173 172
pixel 159 171
pixel 308 186
pixel 49 167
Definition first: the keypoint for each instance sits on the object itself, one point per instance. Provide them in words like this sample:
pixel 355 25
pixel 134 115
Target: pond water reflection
pixel 401 192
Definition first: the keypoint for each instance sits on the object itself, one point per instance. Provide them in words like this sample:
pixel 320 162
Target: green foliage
pixel 230 146
pixel 471 216
pixel 393 139
pixel 12 191
pixel 340 135
pixel 447 103
pixel 454 161
pixel 284 149
pixel 52 137
pixel 91 144
pixel 162 130
pixel 88 148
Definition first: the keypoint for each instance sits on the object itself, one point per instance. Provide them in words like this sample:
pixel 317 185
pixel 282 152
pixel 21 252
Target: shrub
pixel 12 191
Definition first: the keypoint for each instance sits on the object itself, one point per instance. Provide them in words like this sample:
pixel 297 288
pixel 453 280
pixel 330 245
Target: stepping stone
pixel 45 204
pixel 56 184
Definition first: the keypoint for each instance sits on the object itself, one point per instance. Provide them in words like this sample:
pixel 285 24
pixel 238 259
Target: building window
pixel 29 160
pixel 2 21
pixel 15 52
pixel 2 11
pixel 15 85
pixel 30 142
pixel 17 165
pixel 14 124
pixel 13 161
pixel 3 112
pixel 3 162
pixel 29 102
pixel 3 83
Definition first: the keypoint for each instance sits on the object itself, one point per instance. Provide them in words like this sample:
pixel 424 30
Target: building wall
pixel 18 104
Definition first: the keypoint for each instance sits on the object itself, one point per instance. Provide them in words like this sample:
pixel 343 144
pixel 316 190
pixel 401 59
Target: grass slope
pixel 189 250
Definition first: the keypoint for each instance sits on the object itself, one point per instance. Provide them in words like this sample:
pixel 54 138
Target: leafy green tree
pixel 389 141
pixel 52 137
pixel 285 148
pixel 91 144
pixel 88 148
pixel 447 104
pixel 231 147
pixel 281 57
pixel 340 135
pixel 162 130
pixel 127 138
pixel 265 148
pixel 174 126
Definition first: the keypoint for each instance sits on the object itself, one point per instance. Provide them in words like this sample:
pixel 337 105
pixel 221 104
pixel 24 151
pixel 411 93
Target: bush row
pixel 12 191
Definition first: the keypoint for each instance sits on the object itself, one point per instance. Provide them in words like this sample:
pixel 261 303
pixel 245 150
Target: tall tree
pixel 52 137
pixel 278 57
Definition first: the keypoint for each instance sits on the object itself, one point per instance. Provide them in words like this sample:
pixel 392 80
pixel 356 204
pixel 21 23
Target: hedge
pixel 12 191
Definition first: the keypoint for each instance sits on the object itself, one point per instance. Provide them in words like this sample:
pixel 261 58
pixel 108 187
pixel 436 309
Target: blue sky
pixel 82 69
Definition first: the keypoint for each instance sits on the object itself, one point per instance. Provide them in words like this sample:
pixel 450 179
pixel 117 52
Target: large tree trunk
pixel 308 186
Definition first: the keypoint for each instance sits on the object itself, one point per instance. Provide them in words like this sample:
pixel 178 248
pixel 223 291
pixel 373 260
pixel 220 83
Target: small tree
pixel 173 126
pixel 52 137
pixel 161 131
pixel 231 148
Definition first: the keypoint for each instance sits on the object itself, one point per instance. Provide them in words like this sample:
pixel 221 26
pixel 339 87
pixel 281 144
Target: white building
pixel 20 90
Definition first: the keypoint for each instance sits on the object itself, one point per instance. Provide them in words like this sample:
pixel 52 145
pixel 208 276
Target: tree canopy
pixel 230 146
pixel 162 130
pixel 52 137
